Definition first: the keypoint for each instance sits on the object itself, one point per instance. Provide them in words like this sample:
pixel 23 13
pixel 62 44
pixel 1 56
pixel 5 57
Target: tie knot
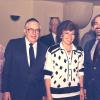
pixel 31 44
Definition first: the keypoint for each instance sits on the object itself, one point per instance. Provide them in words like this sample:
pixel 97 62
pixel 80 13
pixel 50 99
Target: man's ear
pixel 92 28
pixel 24 31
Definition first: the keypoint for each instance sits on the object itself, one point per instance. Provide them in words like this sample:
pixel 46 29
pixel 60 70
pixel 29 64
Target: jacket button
pixel 93 79
pixel 94 68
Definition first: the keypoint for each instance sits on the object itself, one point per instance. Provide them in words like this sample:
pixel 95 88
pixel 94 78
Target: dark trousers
pixel 93 93
pixel 69 98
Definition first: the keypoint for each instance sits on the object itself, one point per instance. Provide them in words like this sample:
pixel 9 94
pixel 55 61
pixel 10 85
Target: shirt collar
pixel 54 34
pixel 27 43
pixel 73 47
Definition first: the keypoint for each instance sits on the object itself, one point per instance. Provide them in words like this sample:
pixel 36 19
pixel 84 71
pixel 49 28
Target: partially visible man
pixel 1 65
pixel 23 73
pixel 92 63
pixel 88 36
pixel 50 39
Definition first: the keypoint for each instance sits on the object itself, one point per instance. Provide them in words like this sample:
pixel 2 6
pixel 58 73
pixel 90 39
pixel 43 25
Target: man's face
pixel 96 26
pixel 54 24
pixel 32 31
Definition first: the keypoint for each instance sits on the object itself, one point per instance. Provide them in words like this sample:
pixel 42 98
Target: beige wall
pixel 96 10
pixel 46 9
pixel 8 28
pixel 80 12
pixel 42 10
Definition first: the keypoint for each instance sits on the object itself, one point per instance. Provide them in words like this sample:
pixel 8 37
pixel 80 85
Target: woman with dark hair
pixel 64 25
pixel 63 71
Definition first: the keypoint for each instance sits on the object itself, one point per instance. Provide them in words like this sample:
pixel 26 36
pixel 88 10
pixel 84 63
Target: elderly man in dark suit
pixel 92 63
pixel 23 69
pixel 50 39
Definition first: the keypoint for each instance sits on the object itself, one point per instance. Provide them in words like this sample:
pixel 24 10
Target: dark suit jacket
pixel 47 40
pixel 88 36
pixel 23 82
pixel 92 73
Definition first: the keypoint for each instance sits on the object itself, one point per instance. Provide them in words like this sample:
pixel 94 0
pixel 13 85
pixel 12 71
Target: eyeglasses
pixel 30 30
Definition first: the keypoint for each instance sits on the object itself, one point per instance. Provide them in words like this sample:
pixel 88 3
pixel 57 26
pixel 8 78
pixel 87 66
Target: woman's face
pixel 68 37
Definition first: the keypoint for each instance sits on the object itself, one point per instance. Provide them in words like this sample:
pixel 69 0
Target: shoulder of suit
pixel 45 36
pixel 42 44
pixel 79 48
pixel 54 48
pixel 90 43
pixel 17 40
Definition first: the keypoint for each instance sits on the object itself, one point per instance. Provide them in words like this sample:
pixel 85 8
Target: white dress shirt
pixel 54 37
pixel 93 49
pixel 27 49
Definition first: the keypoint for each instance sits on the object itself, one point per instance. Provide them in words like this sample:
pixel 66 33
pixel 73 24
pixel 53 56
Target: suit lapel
pixel 23 50
pixel 51 38
pixel 38 52
pixel 90 48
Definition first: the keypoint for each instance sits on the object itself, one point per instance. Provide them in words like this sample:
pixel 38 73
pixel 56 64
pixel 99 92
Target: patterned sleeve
pixel 48 66
pixel 81 64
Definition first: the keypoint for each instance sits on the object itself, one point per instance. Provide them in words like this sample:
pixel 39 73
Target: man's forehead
pixel 97 19
pixel 33 24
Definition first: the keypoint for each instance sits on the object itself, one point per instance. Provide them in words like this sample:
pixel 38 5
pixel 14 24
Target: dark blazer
pixel 23 82
pixel 88 36
pixel 92 73
pixel 47 40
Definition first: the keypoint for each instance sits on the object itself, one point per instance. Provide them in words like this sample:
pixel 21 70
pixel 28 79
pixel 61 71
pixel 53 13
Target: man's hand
pixel 44 98
pixel 6 96
pixel 81 94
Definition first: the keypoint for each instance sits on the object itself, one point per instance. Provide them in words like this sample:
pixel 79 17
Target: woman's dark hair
pixel 70 26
